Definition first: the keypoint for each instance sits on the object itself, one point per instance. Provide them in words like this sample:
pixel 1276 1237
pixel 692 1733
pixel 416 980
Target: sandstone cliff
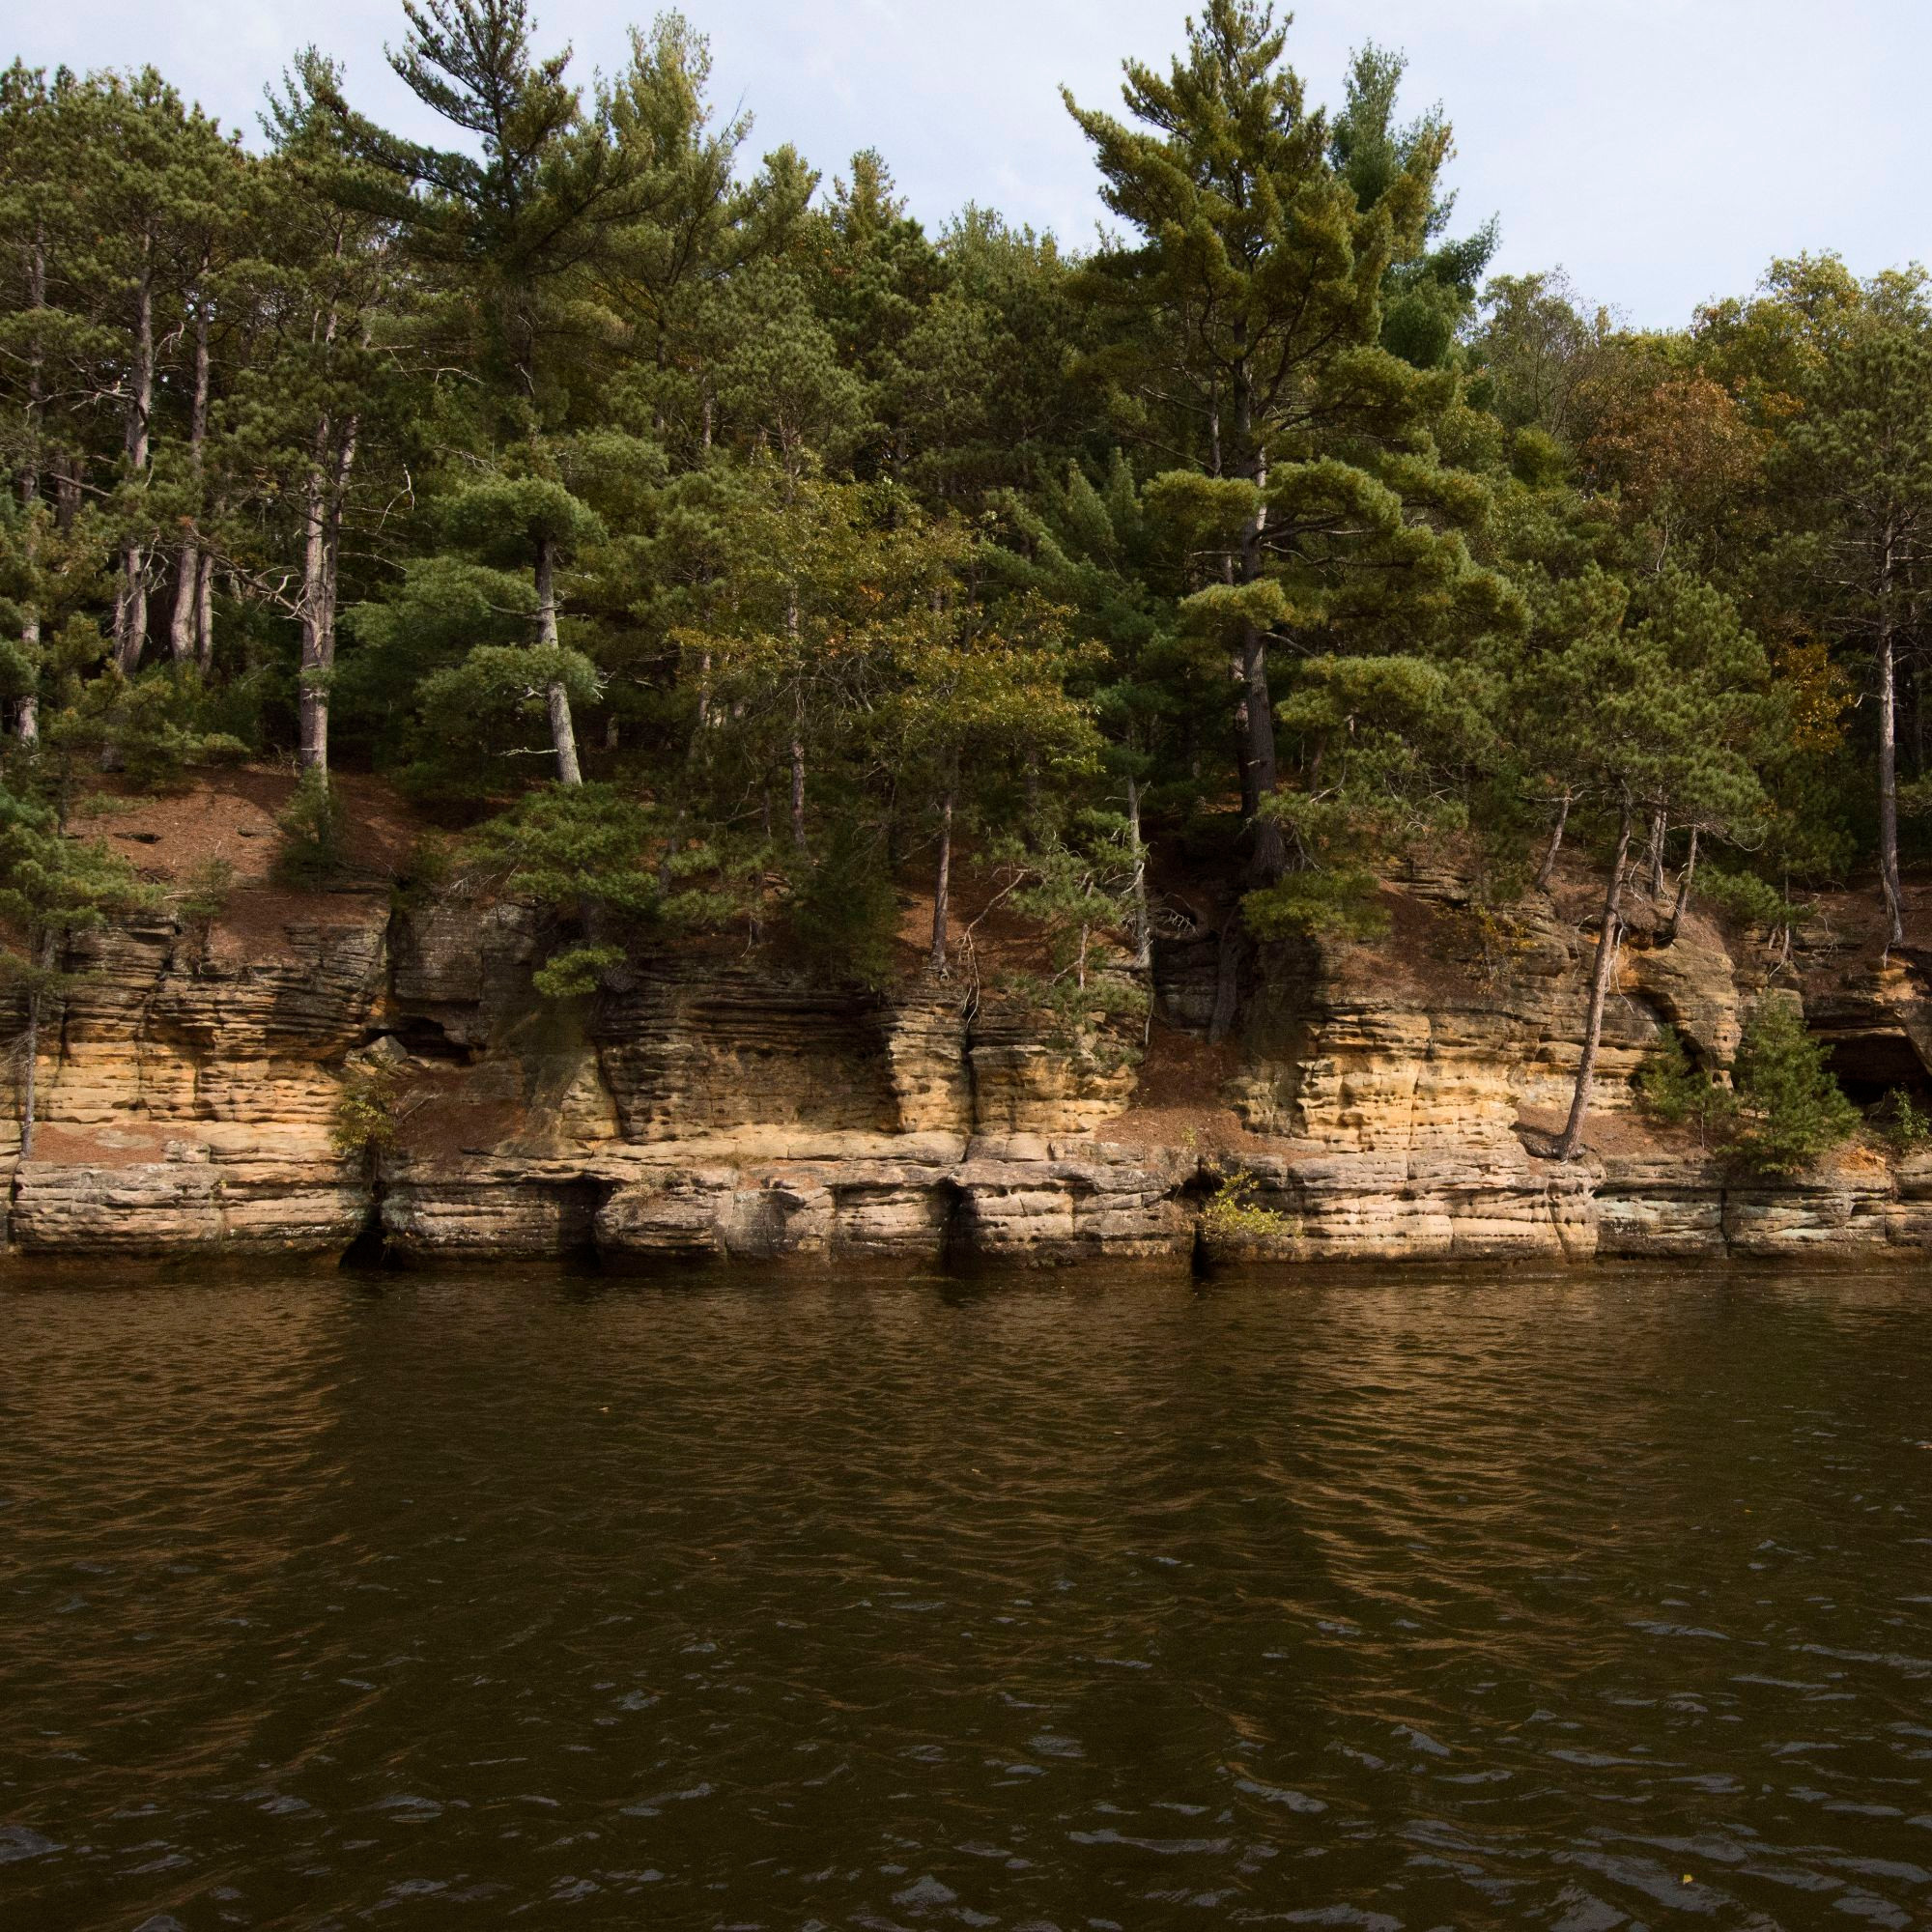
pixel 1380 1100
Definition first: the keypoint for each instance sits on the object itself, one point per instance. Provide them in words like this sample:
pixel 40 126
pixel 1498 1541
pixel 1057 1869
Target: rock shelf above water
pixel 1381 1101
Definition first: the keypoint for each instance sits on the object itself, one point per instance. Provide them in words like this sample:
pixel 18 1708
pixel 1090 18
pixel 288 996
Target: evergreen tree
pixel 1156 693
pixel 1790 1109
pixel 1657 709
pixel 52 888
pixel 1859 464
pixel 321 391
pixel 1430 289
pixel 1251 309
pixel 504 240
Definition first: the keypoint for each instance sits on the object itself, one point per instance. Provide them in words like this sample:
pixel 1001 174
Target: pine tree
pixel 1657 709
pixel 322 391
pixel 1246 332
pixel 1790 1109
pixel 52 888
pixel 1860 463
pixel 1090 550
pixel 976 700
pixel 505 239
pixel 1428 292
pixel 506 521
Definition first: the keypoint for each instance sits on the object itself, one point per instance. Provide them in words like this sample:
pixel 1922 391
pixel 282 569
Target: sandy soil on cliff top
pixel 232 814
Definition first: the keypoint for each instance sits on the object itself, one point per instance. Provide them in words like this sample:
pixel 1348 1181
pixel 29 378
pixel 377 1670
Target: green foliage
pixel 1094 1022
pixel 1078 890
pixel 365 1123
pixel 1906 1125
pixel 1674 1090
pixel 159 727
pixel 1790 1110
pixel 1747 898
pixel 595 860
pixel 52 884
pixel 562 847
pixel 1232 1217
pixel 430 868
pixel 576 971
pixel 502 520
pixel 1336 902
pixel 842 921
pixel 205 893
pixel 312 854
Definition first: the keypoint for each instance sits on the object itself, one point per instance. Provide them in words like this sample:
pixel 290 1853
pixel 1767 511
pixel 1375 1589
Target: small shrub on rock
pixel 1674 1090
pixel 843 919
pixel 365 1112
pixel 204 895
pixel 1232 1217
pixel 312 851
pixel 1906 1127
pixel 1790 1109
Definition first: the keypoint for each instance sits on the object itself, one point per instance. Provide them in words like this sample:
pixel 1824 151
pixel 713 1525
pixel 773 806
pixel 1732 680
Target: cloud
pixel 1664 150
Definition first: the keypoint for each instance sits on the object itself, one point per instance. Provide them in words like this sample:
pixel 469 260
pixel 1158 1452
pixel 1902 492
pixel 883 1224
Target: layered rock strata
pixel 1381 1101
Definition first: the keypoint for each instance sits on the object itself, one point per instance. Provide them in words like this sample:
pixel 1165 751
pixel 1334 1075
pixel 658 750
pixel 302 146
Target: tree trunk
pixel 37 300
pixel 311 693
pixel 29 1081
pixel 942 884
pixel 1659 832
pixel 30 1077
pixel 697 731
pixel 130 607
pixel 798 789
pixel 562 731
pixel 1685 880
pixel 1572 1141
pixel 794 630
pixel 321 554
pixel 797 746
pixel 203 612
pixel 130 601
pixel 1269 857
pixel 1546 871
pixel 27 716
pixel 564 736
pixel 1888 792
pixel 313 752
pixel 188 584
pixel 66 466
pixel 1137 858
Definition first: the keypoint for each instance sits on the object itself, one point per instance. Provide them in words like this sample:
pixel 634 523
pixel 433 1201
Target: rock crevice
pixel 1379 1102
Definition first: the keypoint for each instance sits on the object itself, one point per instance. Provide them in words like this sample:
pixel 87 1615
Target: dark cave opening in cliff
pixel 1870 1066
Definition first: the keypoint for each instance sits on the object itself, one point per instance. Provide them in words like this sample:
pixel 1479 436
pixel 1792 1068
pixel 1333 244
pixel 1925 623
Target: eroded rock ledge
pixel 1380 1102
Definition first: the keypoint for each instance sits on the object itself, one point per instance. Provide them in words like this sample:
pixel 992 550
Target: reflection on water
pixel 1579 1601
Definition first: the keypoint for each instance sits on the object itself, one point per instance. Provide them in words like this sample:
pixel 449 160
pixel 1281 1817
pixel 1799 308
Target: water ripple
pixel 1583 1601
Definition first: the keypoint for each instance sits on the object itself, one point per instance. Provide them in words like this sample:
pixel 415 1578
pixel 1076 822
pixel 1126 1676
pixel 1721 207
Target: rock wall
pixel 1382 1100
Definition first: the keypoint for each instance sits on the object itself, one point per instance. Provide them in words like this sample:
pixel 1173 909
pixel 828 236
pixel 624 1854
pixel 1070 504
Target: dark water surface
pixel 1507 1597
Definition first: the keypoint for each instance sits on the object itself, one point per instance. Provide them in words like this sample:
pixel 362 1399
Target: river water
pixel 1579 1600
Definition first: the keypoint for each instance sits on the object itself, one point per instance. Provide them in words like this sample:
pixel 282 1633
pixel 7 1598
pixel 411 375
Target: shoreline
pixel 1016 1201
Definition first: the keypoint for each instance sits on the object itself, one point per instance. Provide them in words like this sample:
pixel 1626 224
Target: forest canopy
pixel 721 548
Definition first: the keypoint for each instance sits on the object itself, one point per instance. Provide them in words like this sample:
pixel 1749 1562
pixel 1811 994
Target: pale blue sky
pixel 1662 150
